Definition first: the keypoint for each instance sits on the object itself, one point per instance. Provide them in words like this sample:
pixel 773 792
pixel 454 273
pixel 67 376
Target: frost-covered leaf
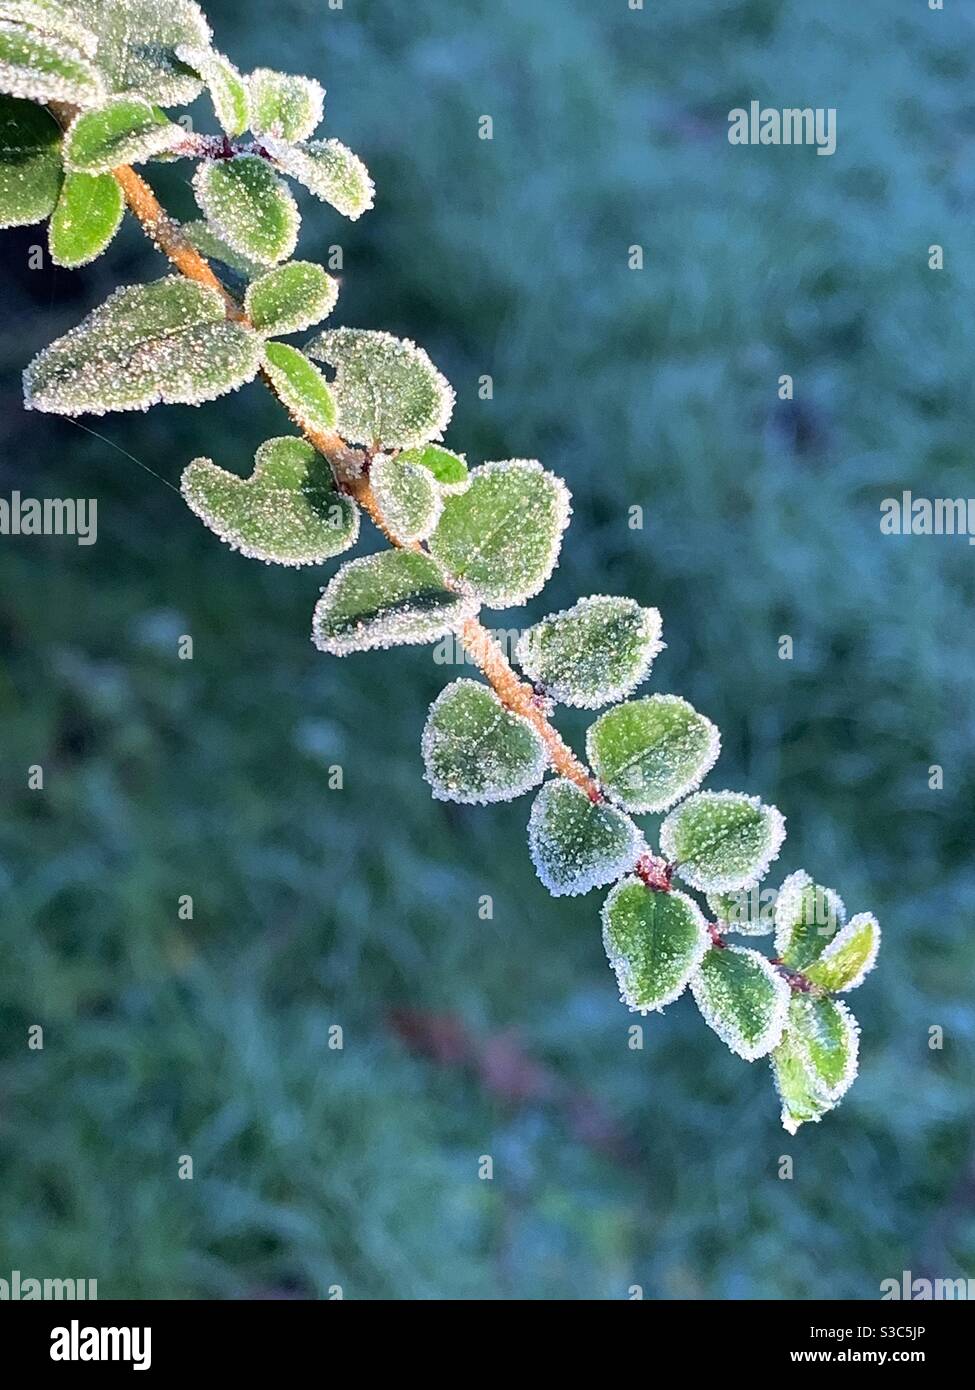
pixel 807 917
pixel 284 105
pixel 722 840
pixel 88 214
pixel 50 18
pixel 501 538
pixel 303 390
pixel 449 469
pixel 30 162
pixel 387 600
pixel 137 43
pixel 849 956
pixel 290 298
pixel 743 998
pixel 45 67
pixel 387 390
pixel 828 1039
pixel 126 130
pixel 654 941
pixel 168 342
pixel 816 1061
pixel 328 170
pixel 408 497
pixel 593 653
pixel 649 753
pixel 228 90
pixel 288 512
pixel 577 844
pixel 738 912
pixel 201 235
pixel 476 751
pixel 248 207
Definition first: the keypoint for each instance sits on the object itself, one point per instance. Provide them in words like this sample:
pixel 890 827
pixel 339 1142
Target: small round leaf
pixel 284 105
pixel 743 998
pixel 248 207
pixel 88 214
pixel 849 956
pixel 722 840
pixel 387 390
pixel 654 941
pixel 593 653
pixel 169 342
pixel 807 918
pixel 501 538
pixel 290 298
pixel 577 844
pixel 30 162
pixel 328 170
pixel 126 130
pixel 476 751
pixel 287 513
pixel 387 600
pixel 649 753
pixel 228 90
pixel 449 469
pixel 302 389
pixel 408 497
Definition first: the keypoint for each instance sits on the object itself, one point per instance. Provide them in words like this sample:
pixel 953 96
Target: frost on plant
pixel 475 750
pixel 577 844
pixel 86 91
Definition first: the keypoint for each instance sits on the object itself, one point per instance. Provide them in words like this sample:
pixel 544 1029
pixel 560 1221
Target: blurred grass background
pixel 359 907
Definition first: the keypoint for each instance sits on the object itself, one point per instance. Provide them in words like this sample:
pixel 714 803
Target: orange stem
pixel 349 464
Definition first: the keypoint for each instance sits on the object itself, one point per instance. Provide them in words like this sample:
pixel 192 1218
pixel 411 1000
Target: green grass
pixel 315 907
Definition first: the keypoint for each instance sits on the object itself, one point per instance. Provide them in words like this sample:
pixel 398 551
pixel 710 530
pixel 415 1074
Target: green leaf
pixel 807 917
pixel 50 18
pixel 201 235
pixel 248 207
pixel 722 840
pixel 329 171
pixel 649 753
pixel 168 342
pixel 733 912
pixel 743 998
pixel 802 1100
pixel 577 844
pixel 228 90
pixel 593 653
pixel 137 43
pixel 88 214
pixel 388 392
pixel 501 538
pixel 390 599
pixel 476 751
pixel 290 298
pixel 284 105
pixel 126 130
pixel 816 1061
pixel 288 512
pixel 30 162
pixel 407 495
pixel 654 941
pixel 827 1037
pixel 301 387
pixel 45 67
pixel 849 957
pixel 449 469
